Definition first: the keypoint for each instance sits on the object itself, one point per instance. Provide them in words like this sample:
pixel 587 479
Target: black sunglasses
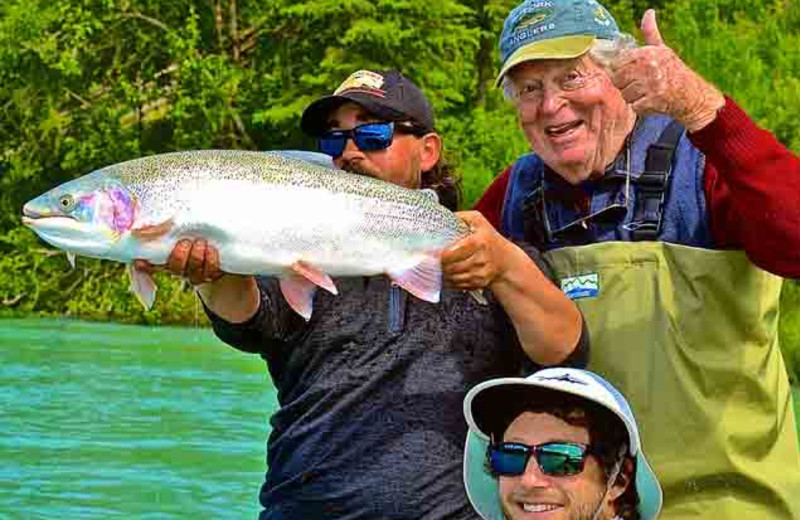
pixel 367 137
pixel 557 459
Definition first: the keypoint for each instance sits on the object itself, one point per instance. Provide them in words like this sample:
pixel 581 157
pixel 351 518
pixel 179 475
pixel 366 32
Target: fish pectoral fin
pixel 143 286
pixel 479 297
pixel 152 231
pixel 299 294
pixel 424 280
pixel 315 276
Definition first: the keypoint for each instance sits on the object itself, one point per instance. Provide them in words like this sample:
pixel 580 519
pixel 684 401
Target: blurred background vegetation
pixel 88 83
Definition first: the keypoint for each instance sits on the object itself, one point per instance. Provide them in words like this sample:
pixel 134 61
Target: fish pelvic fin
pixel 299 294
pixel 315 276
pixel 143 286
pixel 153 231
pixel 424 280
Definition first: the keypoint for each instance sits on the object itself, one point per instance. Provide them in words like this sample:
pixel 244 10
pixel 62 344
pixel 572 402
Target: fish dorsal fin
pixel 424 280
pixel 431 194
pixel 319 159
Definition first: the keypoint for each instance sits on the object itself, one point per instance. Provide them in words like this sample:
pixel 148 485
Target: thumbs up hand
pixel 653 79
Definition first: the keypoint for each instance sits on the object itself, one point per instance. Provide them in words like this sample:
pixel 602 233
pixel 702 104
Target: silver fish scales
pixel 273 213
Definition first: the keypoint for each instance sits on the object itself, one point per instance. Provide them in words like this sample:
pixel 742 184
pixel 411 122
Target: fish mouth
pixel 49 220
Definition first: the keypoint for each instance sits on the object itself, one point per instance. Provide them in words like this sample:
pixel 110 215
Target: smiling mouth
pixel 539 508
pixel 559 130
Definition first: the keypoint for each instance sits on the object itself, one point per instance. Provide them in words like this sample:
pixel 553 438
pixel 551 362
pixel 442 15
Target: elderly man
pixel 371 387
pixel 667 214
pixel 560 444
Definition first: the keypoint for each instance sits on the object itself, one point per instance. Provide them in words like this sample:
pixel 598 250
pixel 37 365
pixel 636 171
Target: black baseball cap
pixel 385 94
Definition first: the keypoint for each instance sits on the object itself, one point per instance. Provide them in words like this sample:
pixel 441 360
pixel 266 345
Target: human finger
pixel 461 250
pixel 211 267
pixel 176 263
pixel 624 59
pixel 466 265
pixel 196 261
pixel 466 282
pixel 652 36
pixel 633 92
pixel 624 76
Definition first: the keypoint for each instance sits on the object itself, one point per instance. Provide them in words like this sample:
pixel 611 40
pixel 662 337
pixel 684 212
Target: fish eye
pixel 66 202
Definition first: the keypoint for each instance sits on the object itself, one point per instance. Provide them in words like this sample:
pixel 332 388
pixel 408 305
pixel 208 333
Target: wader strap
pixel 652 184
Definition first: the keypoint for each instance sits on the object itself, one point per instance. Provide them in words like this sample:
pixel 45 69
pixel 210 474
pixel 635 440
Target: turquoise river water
pixel 106 421
pixel 122 422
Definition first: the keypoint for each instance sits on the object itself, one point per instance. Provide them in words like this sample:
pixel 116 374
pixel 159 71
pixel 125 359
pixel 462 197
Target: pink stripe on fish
pixel 124 208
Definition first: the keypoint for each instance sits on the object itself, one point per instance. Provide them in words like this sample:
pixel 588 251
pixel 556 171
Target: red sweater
pixel 752 185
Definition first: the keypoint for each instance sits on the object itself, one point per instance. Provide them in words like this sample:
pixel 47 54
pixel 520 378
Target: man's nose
pixel 533 476
pixel 552 100
pixel 351 151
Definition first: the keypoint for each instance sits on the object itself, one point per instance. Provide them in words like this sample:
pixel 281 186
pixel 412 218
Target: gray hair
pixel 602 52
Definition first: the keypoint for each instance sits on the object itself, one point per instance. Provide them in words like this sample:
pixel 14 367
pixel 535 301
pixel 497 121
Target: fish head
pixel 84 216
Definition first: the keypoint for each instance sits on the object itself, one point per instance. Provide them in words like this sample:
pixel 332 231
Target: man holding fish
pixel 371 384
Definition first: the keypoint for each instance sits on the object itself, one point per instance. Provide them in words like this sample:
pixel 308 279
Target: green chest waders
pixel 690 337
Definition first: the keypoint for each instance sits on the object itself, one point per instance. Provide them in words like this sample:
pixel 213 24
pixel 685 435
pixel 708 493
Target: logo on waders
pixel 583 286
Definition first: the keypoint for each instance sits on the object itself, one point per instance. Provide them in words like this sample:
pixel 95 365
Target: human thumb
pixel 650 29
pixel 474 219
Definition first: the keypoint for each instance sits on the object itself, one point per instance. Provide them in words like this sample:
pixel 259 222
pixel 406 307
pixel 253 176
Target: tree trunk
pixel 234 30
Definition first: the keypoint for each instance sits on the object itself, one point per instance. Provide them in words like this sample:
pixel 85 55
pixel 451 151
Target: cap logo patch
pixel 534 17
pixel 565 378
pixel 583 286
pixel 363 81
pixel 601 18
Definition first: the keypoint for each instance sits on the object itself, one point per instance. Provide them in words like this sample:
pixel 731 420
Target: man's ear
pixel 623 480
pixel 431 151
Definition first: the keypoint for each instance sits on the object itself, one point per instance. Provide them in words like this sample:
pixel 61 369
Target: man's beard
pixel 583 511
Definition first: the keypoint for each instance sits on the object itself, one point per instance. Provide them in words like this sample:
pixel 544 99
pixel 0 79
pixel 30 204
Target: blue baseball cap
pixel 553 29
pixel 487 402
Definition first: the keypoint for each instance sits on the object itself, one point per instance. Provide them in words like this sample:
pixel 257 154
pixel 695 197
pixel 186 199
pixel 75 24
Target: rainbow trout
pixel 286 214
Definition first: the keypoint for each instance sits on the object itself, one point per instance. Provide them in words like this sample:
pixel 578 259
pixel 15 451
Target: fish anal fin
pixel 299 294
pixel 424 280
pixel 143 286
pixel 315 276
pixel 152 231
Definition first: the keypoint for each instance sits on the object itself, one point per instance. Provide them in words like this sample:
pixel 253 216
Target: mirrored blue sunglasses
pixel 557 459
pixel 367 137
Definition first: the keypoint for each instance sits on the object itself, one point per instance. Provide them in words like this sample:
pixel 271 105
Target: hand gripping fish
pixel 285 214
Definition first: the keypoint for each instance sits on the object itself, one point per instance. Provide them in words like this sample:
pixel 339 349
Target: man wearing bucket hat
pixel 669 216
pixel 563 443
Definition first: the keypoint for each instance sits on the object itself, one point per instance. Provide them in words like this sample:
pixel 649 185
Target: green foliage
pixel 87 83
pixel 790 328
pixel 34 280
pixel 484 147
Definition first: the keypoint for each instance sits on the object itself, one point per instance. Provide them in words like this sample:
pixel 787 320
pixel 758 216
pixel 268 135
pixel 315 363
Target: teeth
pixel 538 508
pixel 562 128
